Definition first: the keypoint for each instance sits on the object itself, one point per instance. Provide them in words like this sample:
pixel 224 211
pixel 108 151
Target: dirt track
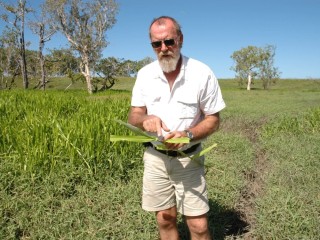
pixel 245 205
pixel 254 177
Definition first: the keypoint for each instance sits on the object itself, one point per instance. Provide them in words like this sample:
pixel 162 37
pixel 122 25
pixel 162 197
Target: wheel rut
pixel 254 187
pixel 245 206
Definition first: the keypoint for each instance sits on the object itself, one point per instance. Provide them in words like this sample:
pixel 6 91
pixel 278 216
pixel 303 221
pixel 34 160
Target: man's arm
pixel 206 127
pixel 137 115
pixel 203 129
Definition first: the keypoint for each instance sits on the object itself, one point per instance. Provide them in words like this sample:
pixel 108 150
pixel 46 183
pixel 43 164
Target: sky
pixel 214 29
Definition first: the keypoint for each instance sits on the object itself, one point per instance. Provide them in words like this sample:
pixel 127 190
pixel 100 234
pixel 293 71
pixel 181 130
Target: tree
pixel 246 64
pixel 251 62
pixel 268 73
pixel 60 61
pixel 18 23
pixel 107 69
pixel 9 64
pixel 44 28
pixel 84 24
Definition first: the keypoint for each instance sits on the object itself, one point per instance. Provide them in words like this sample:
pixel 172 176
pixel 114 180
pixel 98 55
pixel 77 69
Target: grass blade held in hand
pixel 135 129
pixel 114 138
pixel 143 136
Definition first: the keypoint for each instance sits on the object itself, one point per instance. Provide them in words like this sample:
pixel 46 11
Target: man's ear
pixel 181 39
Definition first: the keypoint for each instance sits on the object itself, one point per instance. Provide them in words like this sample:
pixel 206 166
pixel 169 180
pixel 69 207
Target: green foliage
pixel 74 77
pixel 254 62
pixel 309 123
pixel 61 178
pixel 45 131
pixel 59 62
pixel 143 137
pixel 293 184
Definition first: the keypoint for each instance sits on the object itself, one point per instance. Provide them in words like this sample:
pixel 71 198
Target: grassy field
pixel 61 178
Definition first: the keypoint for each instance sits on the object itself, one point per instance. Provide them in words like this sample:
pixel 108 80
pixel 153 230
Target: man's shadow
pixel 223 222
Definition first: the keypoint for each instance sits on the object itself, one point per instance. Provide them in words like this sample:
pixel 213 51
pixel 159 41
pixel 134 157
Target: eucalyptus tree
pixel 268 73
pixel 9 64
pixel 252 61
pixel 44 28
pixel 84 23
pixel 32 58
pixel 246 64
pixel 107 69
pixel 16 17
pixel 60 62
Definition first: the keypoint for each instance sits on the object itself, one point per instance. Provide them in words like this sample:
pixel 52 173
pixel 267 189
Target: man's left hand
pixel 175 134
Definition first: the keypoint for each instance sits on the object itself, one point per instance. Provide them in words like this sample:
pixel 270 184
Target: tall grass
pixel 43 131
pixel 61 178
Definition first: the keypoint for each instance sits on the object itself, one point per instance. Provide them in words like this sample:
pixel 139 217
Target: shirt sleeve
pixel 137 99
pixel 211 100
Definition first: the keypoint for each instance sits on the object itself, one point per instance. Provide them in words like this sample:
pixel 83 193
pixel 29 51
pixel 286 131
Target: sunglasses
pixel 168 43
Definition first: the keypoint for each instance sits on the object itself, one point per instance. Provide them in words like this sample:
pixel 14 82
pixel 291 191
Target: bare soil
pixel 254 186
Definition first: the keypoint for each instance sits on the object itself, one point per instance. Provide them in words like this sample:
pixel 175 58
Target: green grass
pixel 61 178
pixel 293 144
pixel 279 131
pixel 64 83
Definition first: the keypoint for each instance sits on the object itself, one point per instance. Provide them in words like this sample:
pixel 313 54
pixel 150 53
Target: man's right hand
pixel 153 123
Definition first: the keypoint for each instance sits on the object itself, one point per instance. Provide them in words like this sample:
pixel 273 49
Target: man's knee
pixel 166 219
pixel 198 225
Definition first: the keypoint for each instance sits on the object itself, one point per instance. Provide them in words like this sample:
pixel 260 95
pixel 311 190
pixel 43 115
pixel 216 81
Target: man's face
pixel 166 45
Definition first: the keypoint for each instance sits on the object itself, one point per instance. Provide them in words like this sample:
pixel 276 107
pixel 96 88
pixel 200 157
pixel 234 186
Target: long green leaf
pixel 135 129
pixel 204 151
pixel 114 138
pixel 140 133
pixel 178 140
pixel 143 136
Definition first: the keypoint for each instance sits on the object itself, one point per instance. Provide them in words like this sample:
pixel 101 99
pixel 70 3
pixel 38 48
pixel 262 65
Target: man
pixel 175 97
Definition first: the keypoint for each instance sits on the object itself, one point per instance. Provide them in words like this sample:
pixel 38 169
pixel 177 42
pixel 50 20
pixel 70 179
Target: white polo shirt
pixel 195 93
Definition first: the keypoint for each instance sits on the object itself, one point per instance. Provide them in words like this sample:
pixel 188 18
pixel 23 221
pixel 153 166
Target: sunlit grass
pixel 45 130
pixel 62 178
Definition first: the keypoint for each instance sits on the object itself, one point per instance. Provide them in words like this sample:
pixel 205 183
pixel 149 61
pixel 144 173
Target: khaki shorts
pixel 174 181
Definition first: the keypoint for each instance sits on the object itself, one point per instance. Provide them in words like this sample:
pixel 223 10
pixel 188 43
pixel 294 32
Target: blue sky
pixel 214 29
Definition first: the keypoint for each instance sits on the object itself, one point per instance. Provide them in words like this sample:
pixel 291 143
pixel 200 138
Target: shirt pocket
pixel 188 108
pixel 153 104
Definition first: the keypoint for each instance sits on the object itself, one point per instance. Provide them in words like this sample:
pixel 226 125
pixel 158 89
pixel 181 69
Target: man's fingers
pixel 154 124
pixel 158 127
pixel 175 134
pixel 164 127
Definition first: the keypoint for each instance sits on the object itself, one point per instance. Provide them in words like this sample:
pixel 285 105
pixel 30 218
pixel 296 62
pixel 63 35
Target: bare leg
pixel 198 227
pixel 167 223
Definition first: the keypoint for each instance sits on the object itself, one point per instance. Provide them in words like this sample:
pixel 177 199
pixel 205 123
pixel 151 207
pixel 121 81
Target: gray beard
pixel 169 64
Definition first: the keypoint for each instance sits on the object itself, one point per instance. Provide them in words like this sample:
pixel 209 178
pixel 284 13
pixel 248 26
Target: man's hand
pixel 138 117
pixel 175 134
pixel 154 124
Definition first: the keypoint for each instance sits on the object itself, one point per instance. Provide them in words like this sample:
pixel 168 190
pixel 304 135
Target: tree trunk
pixel 88 80
pixel 86 72
pixel 249 82
pixel 23 63
pixel 22 49
pixel 43 72
pixel 41 57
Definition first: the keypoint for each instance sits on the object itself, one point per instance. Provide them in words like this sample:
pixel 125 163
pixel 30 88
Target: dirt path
pixel 254 177
pixel 245 206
